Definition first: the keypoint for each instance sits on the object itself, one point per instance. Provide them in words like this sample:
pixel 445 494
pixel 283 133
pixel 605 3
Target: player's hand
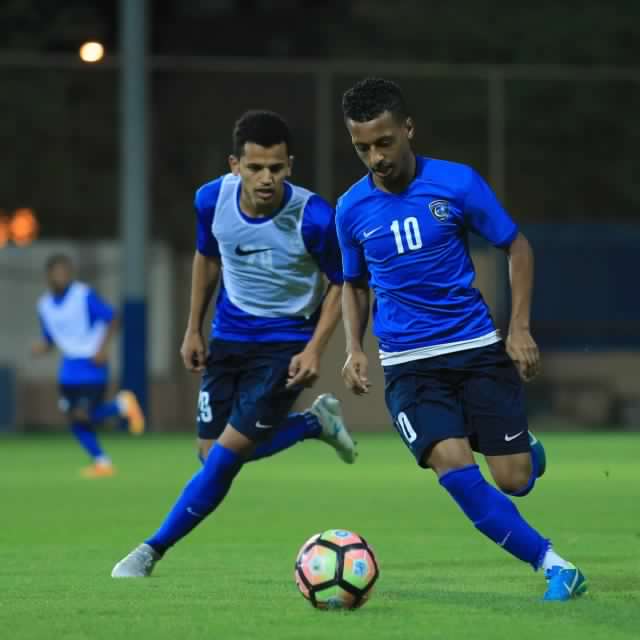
pixel 355 371
pixel 524 352
pixel 194 352
pixel 101 357
pixel 304 369
pixel 39 348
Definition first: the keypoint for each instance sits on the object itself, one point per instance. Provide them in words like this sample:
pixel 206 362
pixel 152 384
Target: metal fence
pixel 558 144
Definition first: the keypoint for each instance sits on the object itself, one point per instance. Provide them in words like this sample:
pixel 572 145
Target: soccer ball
pixel 336 570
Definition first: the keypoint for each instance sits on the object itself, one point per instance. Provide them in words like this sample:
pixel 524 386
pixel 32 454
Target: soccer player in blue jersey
pixel 76 320
pixel 451 384
pixel 273 245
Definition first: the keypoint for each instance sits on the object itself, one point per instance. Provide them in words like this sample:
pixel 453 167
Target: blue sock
pixel 88 439
pixel 203 493
pixel 495 515
pixel 297 427
pixel 104 411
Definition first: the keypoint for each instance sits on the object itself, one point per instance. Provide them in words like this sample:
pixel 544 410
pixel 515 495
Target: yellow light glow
pixel 91 52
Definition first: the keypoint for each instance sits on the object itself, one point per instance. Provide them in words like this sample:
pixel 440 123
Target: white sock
pixel 105 460
pixel 552 559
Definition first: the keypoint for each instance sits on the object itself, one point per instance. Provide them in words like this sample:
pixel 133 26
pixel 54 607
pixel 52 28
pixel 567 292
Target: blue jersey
pixel 413 248
pixel 76 322
pixel 273 268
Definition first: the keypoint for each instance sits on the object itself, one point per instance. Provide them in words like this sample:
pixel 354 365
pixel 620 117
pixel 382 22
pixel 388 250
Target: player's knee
pixel 448 455
pixel 204 446
pixel 77 414
pixel 514 481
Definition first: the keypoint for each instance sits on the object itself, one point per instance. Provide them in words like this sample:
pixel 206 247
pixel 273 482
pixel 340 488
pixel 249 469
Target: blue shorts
pixel 244 385
pixel 476 394
pixel 87 397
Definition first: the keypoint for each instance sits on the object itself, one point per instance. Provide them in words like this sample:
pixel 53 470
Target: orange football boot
pixel 131 410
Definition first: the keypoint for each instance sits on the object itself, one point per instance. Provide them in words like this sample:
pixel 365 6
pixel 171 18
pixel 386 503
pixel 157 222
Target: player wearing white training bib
pixel 272 247
pixel 80 324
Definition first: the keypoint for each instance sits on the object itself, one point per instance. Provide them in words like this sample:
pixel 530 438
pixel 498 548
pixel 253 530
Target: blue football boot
pixel 564 584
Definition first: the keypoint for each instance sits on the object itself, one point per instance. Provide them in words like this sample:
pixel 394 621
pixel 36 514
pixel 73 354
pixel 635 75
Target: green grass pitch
pixel 233 577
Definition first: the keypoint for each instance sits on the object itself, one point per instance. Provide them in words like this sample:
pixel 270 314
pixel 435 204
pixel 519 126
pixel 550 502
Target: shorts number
pixel 204 407
pixel 405 427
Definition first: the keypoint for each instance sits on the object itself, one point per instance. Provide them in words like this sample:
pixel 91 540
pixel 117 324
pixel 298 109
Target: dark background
pixel 571 111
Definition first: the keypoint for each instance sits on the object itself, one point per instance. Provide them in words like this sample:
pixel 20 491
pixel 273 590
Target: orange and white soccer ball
pixel 336 569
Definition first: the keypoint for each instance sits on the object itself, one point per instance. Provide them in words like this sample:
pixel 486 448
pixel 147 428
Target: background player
pixel 274 244
pixel 81 324
pixel 448 377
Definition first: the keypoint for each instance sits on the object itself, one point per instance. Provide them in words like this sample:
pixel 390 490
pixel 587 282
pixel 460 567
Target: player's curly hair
pixel 262 127
pixel 371 97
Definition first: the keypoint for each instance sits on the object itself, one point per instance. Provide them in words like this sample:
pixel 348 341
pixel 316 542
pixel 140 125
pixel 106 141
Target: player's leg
pixel 496 416
pixel 264 388
pixel 323 421
pixel 78 402
pixel 207 487
pixel 426 405
pixel 206 490
pixel 129 408
pixel 494 405
pixel 124 405
pixel 273 401
pixel 232 384
pixel 200 497
pixel 295 428
pixel 264 399
pixel 494 515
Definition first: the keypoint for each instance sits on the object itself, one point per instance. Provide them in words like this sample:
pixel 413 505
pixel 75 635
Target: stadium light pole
pixel 134 195
pixel 497 126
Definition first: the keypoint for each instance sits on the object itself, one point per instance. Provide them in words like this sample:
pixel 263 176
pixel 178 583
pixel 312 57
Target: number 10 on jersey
pixel 412 235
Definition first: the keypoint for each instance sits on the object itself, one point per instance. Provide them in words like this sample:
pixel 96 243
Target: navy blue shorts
pixel 244 385
pixel 87 397
pixel 476 394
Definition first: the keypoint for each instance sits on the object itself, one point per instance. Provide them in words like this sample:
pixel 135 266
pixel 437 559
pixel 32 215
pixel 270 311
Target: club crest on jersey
pixel 440 210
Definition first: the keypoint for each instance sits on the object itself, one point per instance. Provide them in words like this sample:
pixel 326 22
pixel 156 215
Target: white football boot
pixel 334 431
pixel 138 564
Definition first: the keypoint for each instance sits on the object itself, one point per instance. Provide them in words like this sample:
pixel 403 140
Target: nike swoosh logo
pixel 194 513
pixel 366 234
pixel 259 425
pixel 508 438
pixel 247 252
pixel 501 544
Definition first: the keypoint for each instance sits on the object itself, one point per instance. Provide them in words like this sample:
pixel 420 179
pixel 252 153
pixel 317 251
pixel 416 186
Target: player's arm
pixel 355 303
pixel 101 311
pixel 205 273
pixel 329 318
pixel 304 367
pixel 41 347
pixel 355 313
pixel 486 216
pixel 45 344
pixel 520 343
pixel 102 355
pixel 320 239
